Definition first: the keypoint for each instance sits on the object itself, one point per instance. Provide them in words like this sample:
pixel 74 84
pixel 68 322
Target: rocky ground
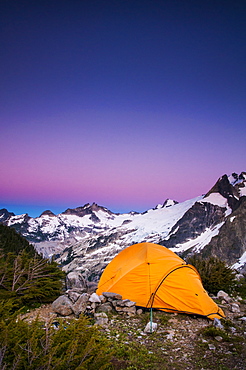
pixel 183 342
pixel 180 341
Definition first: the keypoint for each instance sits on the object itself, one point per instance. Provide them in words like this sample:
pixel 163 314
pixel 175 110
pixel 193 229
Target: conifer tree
pixel 26 277
pixel 215 274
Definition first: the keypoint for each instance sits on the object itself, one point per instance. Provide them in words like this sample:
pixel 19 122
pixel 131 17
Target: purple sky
pixel 122 103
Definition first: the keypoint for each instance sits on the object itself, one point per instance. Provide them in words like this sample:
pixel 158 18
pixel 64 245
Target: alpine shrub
pixel 36 347
pixel 241 287
pixel 215 274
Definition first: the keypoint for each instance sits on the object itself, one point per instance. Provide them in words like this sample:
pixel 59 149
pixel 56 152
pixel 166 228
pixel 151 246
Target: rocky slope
pixel 216 224
pixel 87 238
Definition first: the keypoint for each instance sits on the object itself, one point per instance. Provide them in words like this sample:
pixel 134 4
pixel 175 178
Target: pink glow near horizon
pixel 137 165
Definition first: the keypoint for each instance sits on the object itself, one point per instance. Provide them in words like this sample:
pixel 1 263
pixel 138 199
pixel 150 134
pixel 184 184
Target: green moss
pixel 212 332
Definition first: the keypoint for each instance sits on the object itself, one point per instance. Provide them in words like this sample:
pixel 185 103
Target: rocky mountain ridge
pixel 87 238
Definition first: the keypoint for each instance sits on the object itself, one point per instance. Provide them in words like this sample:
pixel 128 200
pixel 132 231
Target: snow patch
pixel 241 261
pixel 242 191
pixel 174 232
pixel 216 199
pixel 17 219
pixel 234 179
pixel 200 242
pixel 162 219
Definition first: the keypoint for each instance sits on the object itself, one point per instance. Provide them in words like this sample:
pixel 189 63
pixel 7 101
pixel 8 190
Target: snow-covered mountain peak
pixel 47 213
pixel 5 215
pixel 89 236
pixel 86 209
pixel 235 179
pixel 169 203
pixel 230 187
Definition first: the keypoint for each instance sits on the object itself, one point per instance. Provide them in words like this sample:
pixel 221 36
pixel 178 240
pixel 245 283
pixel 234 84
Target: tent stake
pixel 151 319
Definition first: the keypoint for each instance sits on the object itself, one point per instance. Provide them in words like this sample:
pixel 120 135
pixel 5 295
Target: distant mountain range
pixel 88 237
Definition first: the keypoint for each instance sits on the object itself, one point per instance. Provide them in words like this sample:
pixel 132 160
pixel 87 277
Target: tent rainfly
pixel 155 277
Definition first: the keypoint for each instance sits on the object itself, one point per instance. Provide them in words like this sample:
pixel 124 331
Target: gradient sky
pixel 122 103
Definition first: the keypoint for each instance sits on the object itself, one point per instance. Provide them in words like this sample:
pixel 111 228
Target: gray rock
pixel 118 302
pixel 101 319
pixel 105 307
pixel 123 303
pixel 94 305
pixel 151 327
pixel 218 338
pixel 234 307
pixel 217 323
pixel 74 279
pixel 211 347
pixel 130 311
pixel 102 298
pixel 112 295
pixel 100 314
pixel 94 298
pixel 91 287
pixel 73 295
pixel 62 306
pixel 139 311
pixel 81 304
pixel 223 295
pixel 128 303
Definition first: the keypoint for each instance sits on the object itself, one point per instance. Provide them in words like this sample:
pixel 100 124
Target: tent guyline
pixel 156 278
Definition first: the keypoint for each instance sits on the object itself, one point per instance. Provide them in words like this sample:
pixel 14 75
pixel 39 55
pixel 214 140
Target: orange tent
pixel 155 277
